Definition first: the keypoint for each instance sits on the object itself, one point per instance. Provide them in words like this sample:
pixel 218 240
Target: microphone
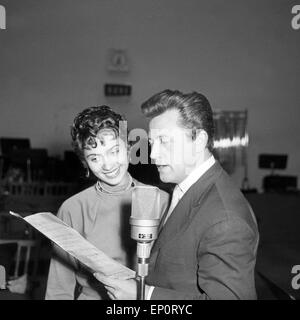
pixel 144 221
pixel 2 278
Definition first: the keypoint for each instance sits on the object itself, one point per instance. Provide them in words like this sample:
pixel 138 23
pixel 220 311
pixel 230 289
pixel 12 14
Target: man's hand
pixel 119 289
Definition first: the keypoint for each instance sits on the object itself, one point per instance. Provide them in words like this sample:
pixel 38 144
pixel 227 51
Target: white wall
pixel 240 54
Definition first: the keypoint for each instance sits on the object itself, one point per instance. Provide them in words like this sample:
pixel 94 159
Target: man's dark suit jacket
pixel 207 248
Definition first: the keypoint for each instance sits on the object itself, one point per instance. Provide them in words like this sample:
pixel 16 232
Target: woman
pixel 99 213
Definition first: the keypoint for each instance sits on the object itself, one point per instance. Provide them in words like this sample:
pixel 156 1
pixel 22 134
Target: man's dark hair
pixel 194 109
pixel 89 122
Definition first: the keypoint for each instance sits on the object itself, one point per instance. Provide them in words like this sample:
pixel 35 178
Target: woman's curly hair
pixel 89 122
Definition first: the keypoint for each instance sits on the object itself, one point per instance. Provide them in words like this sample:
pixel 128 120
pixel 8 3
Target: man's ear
pixel 201 138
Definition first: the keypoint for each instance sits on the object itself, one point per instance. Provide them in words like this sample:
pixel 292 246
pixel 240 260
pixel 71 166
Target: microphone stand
pixel 144 232
pixel 141 292
pixel 143 253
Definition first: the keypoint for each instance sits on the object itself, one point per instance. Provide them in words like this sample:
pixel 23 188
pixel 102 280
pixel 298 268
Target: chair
pixel 21 270
pixel 24 248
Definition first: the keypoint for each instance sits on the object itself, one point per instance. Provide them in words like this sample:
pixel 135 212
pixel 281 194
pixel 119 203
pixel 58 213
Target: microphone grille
pixel 145 202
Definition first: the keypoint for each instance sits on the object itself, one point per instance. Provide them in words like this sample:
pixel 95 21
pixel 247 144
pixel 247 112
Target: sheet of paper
pixel 72 242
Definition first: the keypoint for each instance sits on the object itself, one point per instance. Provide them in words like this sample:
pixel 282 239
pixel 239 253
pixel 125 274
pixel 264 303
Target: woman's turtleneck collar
pixel 118 189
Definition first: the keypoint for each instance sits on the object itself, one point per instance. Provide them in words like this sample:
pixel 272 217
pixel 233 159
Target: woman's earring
pixel 87 174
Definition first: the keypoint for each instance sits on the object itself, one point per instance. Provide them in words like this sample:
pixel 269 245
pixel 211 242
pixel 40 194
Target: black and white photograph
pixel 149 150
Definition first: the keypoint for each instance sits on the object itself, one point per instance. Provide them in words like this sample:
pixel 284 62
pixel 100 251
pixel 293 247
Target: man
pixel 206 248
